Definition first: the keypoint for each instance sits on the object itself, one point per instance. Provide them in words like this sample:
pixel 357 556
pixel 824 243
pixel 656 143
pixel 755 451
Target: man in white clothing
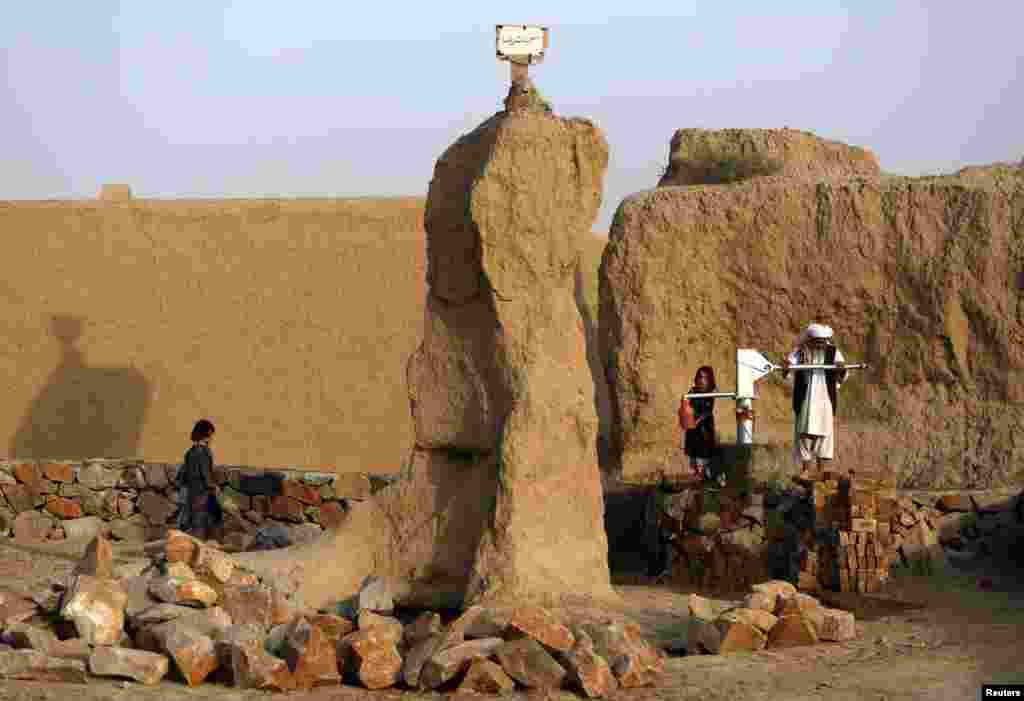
pixel 814 397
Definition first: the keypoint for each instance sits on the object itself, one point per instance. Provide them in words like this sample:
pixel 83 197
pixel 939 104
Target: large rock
pixel 391 627
pixel 18 609
pixel 32 665
pixel 420 652
pixel 541 625
pixel 160 613
pixel 242 654
pixel 32 526
pixel 375 657
pixel 98 559
pixel 527 662
pixel 210 623
pixel 138 665
pixel 193 653
pixel 739 636
pixel 703 156
pixel 485 677
pixel 175 590
pixel 98 475
pixel 248 604
pixel 156 508
pixel 588 671
pixel 921 548
pixel 452 661
pixel 633 661
pixel 97 608
pixel 758 618
pixel 501 377
pixel 792 630
pixel 920 286
pixel 376 596
pixel 833 625
pixel 23 636
pixel 312 657
pixel 426 624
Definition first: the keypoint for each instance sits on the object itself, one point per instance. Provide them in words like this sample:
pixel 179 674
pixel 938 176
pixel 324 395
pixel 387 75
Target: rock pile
pixel 839 534
pixel 133 500
pixel 772 615
pixel 195 613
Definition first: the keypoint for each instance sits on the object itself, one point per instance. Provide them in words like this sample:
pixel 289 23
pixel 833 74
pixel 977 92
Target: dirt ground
pixel 934 637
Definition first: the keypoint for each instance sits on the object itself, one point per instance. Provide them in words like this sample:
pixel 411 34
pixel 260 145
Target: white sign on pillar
pixel 521 42
pixel 521 45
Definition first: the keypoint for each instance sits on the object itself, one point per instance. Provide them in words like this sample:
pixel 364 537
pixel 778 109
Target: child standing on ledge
pixel 700 441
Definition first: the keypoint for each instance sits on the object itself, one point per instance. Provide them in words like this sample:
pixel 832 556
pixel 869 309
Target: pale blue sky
pixel 260 98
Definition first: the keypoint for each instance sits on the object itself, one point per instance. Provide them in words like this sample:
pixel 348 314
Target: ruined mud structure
pixel 916 275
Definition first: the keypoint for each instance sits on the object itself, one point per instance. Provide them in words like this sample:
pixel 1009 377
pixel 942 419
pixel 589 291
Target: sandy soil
pixel 937 637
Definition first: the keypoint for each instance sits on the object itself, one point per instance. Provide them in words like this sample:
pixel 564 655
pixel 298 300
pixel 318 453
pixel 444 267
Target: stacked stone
pixel 856 514
pixel 713 541
pixel 135 500
pixel 197 614
pixel 838 533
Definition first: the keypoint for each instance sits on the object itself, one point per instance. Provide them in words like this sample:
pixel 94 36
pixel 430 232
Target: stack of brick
pixel 856 512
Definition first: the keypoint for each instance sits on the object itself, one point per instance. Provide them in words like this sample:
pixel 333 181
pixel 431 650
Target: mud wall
pixel 916 275
pixel 287 322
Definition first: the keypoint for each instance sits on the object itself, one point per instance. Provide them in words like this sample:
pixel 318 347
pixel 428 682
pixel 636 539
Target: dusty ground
pixel 937 637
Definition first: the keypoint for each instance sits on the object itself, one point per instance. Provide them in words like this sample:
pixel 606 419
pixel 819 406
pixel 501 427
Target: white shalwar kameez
pixel 814 430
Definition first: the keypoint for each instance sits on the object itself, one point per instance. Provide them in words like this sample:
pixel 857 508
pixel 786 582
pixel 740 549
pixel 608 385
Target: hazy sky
pixel 260 98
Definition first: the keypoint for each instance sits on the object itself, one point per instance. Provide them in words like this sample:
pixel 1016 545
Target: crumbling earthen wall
pixel 705 156
pixel 501 390
pixel 916 276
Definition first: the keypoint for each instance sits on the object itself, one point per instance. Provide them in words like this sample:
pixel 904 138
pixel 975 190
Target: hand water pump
pixel 751 366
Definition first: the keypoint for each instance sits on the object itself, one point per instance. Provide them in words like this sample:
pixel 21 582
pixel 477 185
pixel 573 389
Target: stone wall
pixel 135 500
pixel 837 534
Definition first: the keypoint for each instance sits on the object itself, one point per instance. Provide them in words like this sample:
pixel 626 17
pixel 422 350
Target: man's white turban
pixel 819 331
pixel 813 331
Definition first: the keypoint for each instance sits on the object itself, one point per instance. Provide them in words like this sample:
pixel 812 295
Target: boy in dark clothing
pixel 200 511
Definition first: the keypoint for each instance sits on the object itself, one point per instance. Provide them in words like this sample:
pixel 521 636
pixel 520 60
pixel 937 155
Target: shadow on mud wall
pixel 602 396
pixel 83 412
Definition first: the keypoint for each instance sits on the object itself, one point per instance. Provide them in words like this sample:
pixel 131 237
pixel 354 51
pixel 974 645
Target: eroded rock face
pixel 919 282
pixel 501 378
pixel 702 156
